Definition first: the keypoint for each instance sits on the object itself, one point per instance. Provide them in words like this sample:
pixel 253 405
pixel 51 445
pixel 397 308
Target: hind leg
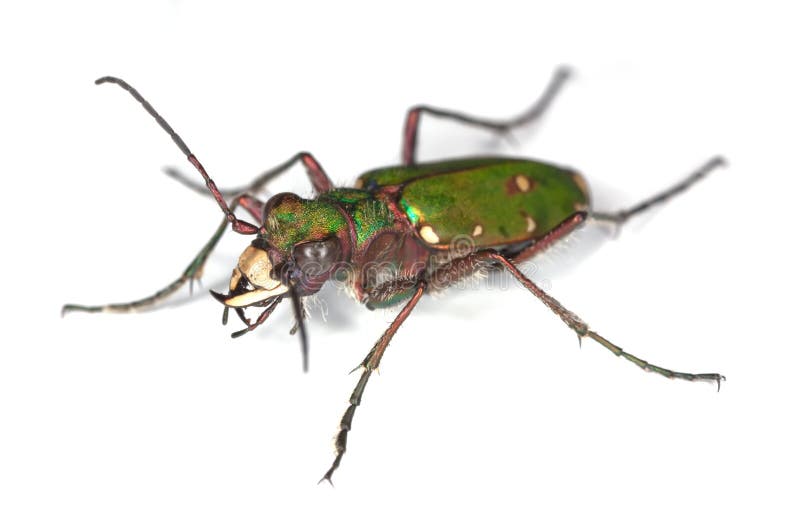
pixel 574 322
pixel 622 216
pixel 499 126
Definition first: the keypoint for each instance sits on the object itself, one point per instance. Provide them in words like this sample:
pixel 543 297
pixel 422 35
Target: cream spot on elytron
pixel 530 224
pixel 427 233
pixel 580 182
pixel 523 183
pixel 478 230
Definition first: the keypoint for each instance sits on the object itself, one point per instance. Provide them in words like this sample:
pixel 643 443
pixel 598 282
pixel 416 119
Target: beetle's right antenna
pixel 238 225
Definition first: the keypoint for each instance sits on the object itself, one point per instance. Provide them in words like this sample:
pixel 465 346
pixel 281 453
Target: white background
pixel 485 407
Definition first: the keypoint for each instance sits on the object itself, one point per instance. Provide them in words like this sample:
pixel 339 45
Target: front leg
pixel 192 272
pixel 371 363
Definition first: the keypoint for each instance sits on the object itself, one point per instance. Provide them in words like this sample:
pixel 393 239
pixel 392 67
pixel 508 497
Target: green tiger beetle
pixel 393 237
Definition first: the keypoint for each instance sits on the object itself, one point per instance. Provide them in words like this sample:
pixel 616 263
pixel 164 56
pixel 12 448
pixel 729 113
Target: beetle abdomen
pixel 500 203
pixel 400 174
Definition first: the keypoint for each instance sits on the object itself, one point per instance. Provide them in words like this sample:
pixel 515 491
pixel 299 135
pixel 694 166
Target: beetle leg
pixel 542 244
pixel 620 217
pixel 580 327
pixel 319 180
pixel 500 126
pixel 448 274
pixel 192 272
pixel 371 363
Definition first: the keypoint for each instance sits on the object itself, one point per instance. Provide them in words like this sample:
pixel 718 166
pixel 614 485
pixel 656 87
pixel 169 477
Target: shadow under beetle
pixel 401 232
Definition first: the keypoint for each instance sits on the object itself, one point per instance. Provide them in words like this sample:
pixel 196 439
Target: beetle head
pixel 304 244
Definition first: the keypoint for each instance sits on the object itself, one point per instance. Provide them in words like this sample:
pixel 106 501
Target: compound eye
pixel 318 257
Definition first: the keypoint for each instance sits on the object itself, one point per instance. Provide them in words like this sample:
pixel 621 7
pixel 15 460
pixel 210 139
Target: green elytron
pixel 402 231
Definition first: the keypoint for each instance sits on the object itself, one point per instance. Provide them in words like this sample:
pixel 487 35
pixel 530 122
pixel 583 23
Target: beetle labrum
pixel 393 237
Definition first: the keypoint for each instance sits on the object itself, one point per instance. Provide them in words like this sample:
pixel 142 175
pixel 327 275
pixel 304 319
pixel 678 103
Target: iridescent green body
pixel 402 232
pixel 494 201
pixel 401 220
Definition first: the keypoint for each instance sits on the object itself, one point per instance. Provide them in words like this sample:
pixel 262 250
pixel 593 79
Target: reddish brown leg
pixel 238 225
pixel 191 273
pixel 578 325
pixel 561 230
pixel 371 363
pixel 319 180
pixel 251 204
pixel 467 265
pixel 621 217
pixel 500 126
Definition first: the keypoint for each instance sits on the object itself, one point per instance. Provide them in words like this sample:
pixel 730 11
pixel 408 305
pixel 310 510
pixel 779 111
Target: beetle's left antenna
pixel 238 225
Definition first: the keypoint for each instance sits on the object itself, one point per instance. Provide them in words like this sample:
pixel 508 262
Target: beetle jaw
pixel 251 281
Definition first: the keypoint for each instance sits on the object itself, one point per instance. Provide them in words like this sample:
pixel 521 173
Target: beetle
pixel 401 232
